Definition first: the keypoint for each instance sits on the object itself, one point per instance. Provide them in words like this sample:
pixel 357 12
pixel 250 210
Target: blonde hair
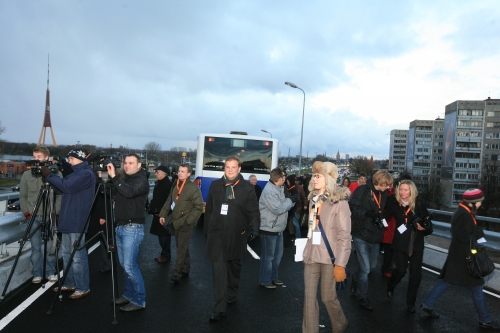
pixel 382 177
pixel 413 194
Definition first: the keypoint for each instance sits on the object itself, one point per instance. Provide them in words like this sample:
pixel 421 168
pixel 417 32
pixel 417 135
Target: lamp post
pixel 267 132
pixel 302 128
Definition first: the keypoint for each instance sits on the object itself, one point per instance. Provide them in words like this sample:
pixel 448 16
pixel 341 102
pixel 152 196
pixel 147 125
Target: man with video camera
pixel 131 194
pixel 77 191
pixel 31 185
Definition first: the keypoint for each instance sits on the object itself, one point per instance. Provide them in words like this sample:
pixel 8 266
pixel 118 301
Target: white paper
pixel 172 206
pixel 300 245
pixel 223 209
pixel 402 228
pixel 481 240
pixel 316 238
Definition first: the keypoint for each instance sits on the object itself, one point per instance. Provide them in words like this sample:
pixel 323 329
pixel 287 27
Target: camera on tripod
pixel 36 164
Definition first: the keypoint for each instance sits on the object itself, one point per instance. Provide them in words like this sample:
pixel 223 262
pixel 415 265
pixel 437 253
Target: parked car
pixel 16 187
pixel 14 205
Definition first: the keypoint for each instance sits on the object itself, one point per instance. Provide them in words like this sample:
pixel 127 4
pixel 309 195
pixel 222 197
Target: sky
pixel 130 72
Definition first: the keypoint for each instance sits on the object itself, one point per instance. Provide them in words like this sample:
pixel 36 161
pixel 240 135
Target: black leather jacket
pixel 131 195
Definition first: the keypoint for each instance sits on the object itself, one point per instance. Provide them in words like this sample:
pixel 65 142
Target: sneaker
pixel 52 278
pixel 36 279
pixel 269 286
pixel 79 294
pixel 278 282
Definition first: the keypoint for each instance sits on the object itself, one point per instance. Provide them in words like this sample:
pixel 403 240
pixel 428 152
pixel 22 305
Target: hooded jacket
pixel 273 207
pixel 362 201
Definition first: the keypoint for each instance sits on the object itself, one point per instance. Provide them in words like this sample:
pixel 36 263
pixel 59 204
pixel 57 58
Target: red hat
pixel 473 195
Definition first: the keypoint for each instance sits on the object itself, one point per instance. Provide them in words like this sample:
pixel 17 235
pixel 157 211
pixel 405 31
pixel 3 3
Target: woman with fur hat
pixel 329 227
pixel 455 271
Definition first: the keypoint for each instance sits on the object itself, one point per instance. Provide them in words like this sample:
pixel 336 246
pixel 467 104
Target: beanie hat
pixel 473 195
pixel 329 171
pixel 162 168
pixel 78 153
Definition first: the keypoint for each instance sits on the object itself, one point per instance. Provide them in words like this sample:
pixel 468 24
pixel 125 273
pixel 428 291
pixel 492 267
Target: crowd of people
pixel 337 219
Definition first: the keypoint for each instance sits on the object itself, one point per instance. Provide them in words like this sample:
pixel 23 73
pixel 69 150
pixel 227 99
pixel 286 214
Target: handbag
pixel 304 218
pixel 479 263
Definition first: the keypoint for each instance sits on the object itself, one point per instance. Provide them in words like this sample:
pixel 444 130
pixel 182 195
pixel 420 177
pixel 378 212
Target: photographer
pixel 28 194
pixel 412 224
pixel 77 195
pixel 367 204
pixel 160 194
pixel 130 215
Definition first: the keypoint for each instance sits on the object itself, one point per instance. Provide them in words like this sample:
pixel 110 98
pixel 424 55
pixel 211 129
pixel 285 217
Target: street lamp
pixel 302 129
pixel 267 132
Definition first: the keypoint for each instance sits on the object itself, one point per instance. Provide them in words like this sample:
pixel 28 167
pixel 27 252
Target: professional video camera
pixel 99 162
pixel 424 222
pixel 36 164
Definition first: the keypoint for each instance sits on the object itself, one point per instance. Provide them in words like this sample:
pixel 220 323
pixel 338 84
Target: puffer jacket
pixel 273 207
pixel 336 222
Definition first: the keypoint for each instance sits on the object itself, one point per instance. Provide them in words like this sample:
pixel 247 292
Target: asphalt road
pixel 186 307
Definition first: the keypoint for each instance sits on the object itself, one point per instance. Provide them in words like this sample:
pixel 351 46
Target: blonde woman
pixel 412 224
pixel 329 226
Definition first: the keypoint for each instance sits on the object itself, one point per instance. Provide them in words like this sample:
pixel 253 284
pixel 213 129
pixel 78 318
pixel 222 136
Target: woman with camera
pixel 412 224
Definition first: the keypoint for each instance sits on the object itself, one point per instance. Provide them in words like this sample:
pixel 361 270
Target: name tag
pixel 384 222
pixel 481 240
pixel 402 228
pixel 172 205
pixel 316 237
pixel 223 209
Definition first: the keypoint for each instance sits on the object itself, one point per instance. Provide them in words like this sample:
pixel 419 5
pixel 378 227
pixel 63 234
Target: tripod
pixel 48 231
pixel 108 236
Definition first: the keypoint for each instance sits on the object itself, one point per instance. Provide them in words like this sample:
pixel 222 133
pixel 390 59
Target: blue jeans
pixel 78 273
pixel 366 254
pixel 37 253
pixel 270 258
pixel 296 224
pixel 477 297
pixel 128 239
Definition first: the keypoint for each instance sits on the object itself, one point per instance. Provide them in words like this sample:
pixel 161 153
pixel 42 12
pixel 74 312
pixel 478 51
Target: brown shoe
pixel 56 289
pixel 79 294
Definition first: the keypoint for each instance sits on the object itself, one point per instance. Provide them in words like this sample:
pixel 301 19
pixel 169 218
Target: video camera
pixel 36 164
pixel 99 162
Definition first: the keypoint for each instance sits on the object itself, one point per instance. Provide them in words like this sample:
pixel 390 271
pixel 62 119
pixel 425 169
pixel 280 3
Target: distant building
pixel 397 150
pixel 347 157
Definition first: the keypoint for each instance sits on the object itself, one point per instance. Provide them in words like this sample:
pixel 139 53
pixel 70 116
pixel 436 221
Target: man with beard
pixel 231 215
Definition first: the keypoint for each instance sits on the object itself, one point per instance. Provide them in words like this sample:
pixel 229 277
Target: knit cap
pixel 78 153
pixel 473 195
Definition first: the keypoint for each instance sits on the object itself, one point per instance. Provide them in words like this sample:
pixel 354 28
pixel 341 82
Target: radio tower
pixel 46 119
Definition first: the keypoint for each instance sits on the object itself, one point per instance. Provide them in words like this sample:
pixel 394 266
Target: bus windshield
pixel 255 155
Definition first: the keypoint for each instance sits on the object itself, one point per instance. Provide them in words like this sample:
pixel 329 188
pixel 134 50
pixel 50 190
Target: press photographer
pixel 77 195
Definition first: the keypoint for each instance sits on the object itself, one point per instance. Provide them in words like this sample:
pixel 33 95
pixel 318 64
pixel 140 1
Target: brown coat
pixel 336 221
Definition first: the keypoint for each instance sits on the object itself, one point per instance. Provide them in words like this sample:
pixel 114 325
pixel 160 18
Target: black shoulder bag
pixel 478 261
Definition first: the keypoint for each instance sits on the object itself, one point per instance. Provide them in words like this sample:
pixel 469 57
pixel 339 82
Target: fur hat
pixel 473 195
pixel 329 171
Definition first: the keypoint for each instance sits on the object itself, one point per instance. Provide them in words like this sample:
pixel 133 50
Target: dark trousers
pixel 387 263
pixel 226 275
pixel 401 259
pixel 165 242
pixel 182 238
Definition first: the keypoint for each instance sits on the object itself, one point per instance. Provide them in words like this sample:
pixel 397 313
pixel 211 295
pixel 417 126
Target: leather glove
pixel 27 215
pixel 252 235
pixel 372 214
pixel 45 171
pixel 339 273
pixel 295 198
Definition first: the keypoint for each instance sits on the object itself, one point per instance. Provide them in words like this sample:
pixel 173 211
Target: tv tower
pixel 46 119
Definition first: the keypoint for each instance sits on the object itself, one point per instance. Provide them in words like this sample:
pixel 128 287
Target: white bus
pixel 258 156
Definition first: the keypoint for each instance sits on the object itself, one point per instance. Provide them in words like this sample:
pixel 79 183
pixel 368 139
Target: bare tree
pixel 152 148
pixel 361 164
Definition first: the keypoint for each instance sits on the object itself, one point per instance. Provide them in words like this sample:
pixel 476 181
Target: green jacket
pixel 28 193
pixel 188 207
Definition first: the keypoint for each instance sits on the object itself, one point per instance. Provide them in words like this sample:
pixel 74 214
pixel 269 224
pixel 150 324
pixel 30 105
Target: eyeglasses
pixel 317 175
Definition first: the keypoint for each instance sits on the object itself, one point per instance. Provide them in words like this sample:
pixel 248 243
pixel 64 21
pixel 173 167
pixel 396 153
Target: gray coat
pixel 273 208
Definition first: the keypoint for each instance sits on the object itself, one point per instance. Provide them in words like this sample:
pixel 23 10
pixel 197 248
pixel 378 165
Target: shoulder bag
pixel 478 261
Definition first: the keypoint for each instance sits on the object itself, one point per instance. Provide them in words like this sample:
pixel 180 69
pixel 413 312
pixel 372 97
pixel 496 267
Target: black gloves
pixel 45 171
pixel 252 235
pixel 372 214
pixel 295 198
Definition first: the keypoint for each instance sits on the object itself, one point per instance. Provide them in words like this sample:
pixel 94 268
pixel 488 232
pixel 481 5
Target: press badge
pixel 316 237
pixel 172 205
pixel 384 222
pixel 481 240
pixel 223 209
pixel 402 228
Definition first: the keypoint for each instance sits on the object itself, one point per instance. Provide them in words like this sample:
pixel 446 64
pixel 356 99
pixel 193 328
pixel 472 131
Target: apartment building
pixel 397 150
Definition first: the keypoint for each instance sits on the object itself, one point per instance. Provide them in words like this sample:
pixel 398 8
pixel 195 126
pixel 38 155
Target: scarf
pixel 230 184
pixel 317 201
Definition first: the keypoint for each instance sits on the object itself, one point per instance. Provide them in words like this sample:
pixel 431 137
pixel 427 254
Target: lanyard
pixel 468 209
pixel 406 213
pixel 377 200
pixel 182 187
pixel 291 187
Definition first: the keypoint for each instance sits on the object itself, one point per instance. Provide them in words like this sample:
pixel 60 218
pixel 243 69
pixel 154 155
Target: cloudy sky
pixel 130 72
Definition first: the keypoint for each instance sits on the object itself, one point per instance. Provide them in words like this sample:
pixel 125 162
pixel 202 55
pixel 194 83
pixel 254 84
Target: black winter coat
pixel 160 195
pixel 131 195
pixel 455 268
pixel 362 201
pixel 401 241
pixel 227 234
